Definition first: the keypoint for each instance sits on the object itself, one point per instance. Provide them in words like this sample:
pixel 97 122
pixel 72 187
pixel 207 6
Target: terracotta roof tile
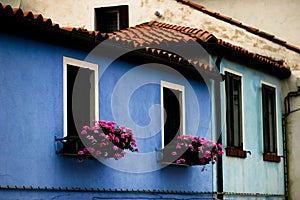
pixel 144 35
pixel 240 25
pixel 18 12
pixel 275 65
pixel 8 9
pixel 28 14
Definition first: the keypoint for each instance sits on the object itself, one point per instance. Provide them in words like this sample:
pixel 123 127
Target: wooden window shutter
pixel 124 21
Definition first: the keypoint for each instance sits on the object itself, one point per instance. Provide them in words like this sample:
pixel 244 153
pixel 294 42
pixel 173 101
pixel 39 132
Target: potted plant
pixel 107 140
pixel 192 150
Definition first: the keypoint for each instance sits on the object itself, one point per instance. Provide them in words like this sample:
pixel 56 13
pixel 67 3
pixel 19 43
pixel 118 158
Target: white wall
pixel 273 16
pixel 293 137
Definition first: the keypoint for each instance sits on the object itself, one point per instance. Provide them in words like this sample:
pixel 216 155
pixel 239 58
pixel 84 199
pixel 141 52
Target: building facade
pixel 254 81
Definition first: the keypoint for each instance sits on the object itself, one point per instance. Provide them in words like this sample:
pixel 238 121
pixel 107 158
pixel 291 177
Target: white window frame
pixel 83 64
pixel 243 103
pixel 173 86
pixel 277 114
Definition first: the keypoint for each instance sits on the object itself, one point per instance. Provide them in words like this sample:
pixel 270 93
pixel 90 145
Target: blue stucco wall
pixel 252 174
pixel 31 115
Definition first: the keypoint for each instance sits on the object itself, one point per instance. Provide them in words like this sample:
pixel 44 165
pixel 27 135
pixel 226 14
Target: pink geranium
pixel 192 150
pixel 107 139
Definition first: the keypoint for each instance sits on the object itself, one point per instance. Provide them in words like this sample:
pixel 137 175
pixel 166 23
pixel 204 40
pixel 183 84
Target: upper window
pixel 110 19
pixel 269 119
pixel 173 111
pixel 234 119
pixel 80 95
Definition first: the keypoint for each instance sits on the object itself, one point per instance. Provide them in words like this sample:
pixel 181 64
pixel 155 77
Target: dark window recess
pixel 269 122
pixel 234 111
pixel 110 19
pixel 80 105
pixel 234 121
pixel 172 115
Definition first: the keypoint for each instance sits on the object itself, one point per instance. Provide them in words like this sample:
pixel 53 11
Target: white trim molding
pixel 173 86
pixel 83 64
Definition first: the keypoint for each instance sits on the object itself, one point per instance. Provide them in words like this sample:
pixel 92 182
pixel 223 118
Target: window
pixel 110 19
pixel 269 122
pixel 80 95
pixel 233 110
pixel 234 119
pixel 173 111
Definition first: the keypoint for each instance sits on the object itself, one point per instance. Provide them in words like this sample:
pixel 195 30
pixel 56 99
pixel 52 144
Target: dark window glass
pixel 172 116
pixel 110 19
pixel 234 110
pixel 80 97
pixel 269 119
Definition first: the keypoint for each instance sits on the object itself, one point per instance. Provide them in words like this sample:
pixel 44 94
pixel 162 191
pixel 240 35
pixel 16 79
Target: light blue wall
pixel 252 174
pixel 31 115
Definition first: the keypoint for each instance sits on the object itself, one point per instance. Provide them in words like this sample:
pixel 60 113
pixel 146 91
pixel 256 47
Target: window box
pixel 71 146
pixel 235 152
pixel 191 150
pixel 191 158
pixel 272 157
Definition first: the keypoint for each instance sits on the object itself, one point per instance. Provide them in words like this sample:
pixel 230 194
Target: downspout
pixel 287 112
pixel 218 129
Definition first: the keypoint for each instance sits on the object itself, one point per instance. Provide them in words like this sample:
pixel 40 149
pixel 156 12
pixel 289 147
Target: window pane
pixel 110 19
pixel 81 98
pixel 172 115
pixel 233 110
pixel 269 119
pixel 110 22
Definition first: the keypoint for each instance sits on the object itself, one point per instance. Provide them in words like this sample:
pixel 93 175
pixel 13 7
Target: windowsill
pixel 271 157
pixel 174 164
pixel 164 157
pixel 235 152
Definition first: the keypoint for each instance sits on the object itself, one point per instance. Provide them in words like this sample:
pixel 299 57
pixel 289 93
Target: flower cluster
pixel 107 139
pixel 192 150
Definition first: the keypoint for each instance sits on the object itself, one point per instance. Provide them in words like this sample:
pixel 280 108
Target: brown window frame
pixel 234 115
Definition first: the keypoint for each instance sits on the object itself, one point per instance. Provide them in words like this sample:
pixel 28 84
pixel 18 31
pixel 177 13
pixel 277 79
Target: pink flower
pixel 191 146
pixel 220 146
pixel 174 153
pixel 128 130
pixel 178 146
pixel 203 141
pixel 207 154
pixel 110 137
pixel 200 148
pixel 115 148
pixel 180 161
pixel 91 149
